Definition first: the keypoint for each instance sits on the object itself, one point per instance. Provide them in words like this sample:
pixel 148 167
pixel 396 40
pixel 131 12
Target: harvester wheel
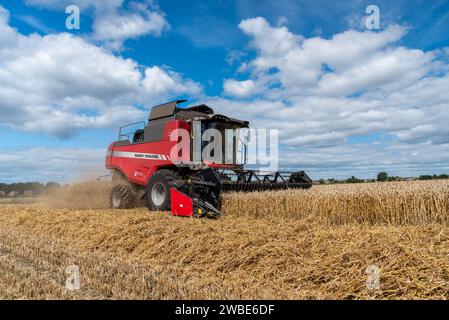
pixel 158 193
pixel 122 197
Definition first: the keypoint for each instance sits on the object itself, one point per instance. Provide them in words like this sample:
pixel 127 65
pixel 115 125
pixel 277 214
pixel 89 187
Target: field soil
pixel 315 244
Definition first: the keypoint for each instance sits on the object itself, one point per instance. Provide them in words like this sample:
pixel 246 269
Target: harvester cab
pixel 181 160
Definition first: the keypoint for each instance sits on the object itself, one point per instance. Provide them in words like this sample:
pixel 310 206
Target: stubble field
pixel 295 244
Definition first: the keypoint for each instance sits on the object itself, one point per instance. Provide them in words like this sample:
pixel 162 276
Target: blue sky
pixel 347 100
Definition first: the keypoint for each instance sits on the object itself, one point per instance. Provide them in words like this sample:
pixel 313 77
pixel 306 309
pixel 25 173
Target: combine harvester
pixel 149 163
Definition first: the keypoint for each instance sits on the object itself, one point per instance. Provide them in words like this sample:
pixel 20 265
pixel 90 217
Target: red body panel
pixel 139 161
pixel 181 204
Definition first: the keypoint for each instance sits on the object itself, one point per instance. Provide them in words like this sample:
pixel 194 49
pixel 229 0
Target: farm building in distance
pixel 28 193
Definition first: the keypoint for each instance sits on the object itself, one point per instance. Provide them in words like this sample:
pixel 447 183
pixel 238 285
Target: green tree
pixel 353 180
pixel 382 176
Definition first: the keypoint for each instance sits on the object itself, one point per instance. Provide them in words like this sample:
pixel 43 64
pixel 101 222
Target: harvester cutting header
pixel 183 158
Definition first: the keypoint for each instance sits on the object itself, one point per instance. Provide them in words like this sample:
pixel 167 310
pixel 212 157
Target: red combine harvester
pixel 149 163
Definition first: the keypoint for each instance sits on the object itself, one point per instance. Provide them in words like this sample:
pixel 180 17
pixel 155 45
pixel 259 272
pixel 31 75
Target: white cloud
pixel 159 81
pixel 270 41
pixel 388 70
pixel 299 63
pixel 239 88
pixel 113 28
pixel 60 84
pixel 353 84
pixel 45 164
pixel 113 23
pixel 324 94
pixel 7 34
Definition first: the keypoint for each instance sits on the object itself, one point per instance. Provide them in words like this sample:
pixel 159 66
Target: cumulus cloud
pixel 323 93
pixel 343 65
pixel 239 88
pixel 60 84
pixel 113 23
pixel 352 84
pixel 114 27
pixel 158 81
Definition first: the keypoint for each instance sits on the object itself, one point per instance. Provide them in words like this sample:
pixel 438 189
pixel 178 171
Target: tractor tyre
pixel 158 191
pixel 122 197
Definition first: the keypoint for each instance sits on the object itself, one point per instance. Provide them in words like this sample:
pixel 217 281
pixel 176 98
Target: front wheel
pixel 158 192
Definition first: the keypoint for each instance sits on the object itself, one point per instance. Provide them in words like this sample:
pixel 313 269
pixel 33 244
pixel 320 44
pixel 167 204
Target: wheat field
pixel 293 244
pixel 394 203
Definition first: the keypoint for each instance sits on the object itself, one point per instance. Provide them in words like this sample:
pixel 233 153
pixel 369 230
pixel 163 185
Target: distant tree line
pixel 383 176
pixel 34 187
pixel 351 179
pixel 434 177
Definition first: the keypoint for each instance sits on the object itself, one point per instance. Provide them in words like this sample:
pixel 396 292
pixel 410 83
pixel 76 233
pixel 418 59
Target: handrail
pixel 120 135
